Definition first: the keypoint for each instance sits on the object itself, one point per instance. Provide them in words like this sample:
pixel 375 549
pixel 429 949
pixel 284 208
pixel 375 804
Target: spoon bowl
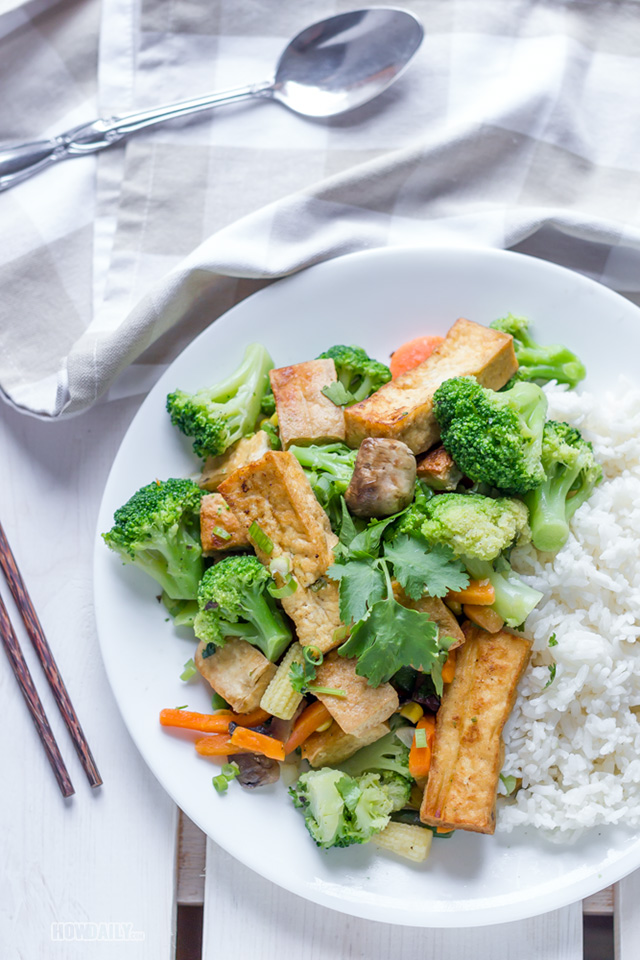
pixel 344 61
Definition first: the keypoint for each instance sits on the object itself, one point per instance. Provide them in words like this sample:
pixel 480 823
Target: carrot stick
pixel 217 745
pixel 306 724
pixel 420 757
pixel 479 592
pixel 412 354
pixel 257 743
pixel 449 667
pixel 211 722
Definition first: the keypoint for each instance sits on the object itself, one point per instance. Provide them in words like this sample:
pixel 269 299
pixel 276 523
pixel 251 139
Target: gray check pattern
pixel 515 127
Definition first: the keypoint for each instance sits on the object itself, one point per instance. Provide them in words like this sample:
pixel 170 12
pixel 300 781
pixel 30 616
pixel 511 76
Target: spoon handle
pixel 25 159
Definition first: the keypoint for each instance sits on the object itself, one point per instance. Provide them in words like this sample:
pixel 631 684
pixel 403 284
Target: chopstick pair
pixel 25 680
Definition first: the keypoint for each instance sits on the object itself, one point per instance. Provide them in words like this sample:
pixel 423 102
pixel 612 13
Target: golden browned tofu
pixel 364 706
pixel 438 470
pixel 305 415
pixel 217 469
pixel 334 745
pixel 238 672
pixel 436 610
pixel 220 529
pixel 403 408
pixel 467 753
pixel 316 614
pixel 275 493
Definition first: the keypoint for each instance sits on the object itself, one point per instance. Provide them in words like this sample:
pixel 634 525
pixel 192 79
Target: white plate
pixel 377 299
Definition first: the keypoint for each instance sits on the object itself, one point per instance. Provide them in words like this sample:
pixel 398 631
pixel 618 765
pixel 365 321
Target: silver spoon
pixel 333 66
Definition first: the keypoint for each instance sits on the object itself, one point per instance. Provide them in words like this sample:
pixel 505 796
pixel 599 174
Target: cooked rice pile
pixel 576 742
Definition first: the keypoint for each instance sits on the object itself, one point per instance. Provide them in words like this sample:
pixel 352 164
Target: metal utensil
pixel 330 67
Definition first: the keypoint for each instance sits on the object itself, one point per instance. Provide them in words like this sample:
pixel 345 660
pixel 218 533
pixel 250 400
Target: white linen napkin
pixel 514 127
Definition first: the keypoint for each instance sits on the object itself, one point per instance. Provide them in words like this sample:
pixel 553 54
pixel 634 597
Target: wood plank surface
pixel 277 925
pixel 626 918
pixel 101 865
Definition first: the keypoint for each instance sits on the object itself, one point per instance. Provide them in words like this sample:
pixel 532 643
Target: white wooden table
pixel 95 876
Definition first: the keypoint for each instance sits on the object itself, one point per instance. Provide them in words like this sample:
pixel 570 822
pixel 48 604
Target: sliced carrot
pixel 412 354
pixel 449 667
pixel 478 592
pixel 217 745
pixel 306 724
pixel 257 743
pixel 211 722
pixel 420 757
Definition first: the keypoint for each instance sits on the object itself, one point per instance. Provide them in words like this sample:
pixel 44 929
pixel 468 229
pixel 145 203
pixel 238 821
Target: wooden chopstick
pixel 30 694
pixel 41 645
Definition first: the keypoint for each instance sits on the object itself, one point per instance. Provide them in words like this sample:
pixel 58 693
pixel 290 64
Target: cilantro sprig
pixel 385 635
pixel 302 675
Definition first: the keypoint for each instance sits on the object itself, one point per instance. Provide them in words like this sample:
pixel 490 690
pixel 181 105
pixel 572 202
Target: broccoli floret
pixel 474 525
pixel 514 600
pixel 233 602
pixel 216 417
pixel 158 530
pixel 268 404
pixel 571 474
pixel 340 810
pixel 537 362
pixel 493 437
pixel 357 372
pixel 388 753
pixel 329 469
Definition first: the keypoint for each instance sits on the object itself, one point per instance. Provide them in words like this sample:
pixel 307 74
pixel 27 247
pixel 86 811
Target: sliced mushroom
pixel 255 770
pixel 383 480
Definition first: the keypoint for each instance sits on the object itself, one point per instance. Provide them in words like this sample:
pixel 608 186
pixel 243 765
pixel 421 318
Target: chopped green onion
pixel 281 565
pixel 340 634
pixel 220 783
pixel 318 584
pixel 288 587
pixel 228 773
pixel 510 783
pixel 420 738
pixel 313 655
pixel 218 702
pixel 329 691
pixel 221 533
pixel 260 538
pixel 183 707
pixel 189 671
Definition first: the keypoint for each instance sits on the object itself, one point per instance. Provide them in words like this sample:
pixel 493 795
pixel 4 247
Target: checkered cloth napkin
pixel 516 126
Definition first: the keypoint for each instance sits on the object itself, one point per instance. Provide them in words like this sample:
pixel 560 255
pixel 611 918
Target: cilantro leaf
pixel 338 394
pixel 420 568
pixel 361 584
pixel 392 636
pixel 552 675
pixel 300 674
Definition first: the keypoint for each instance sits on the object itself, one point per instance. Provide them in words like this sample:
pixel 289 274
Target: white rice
pixel 576 743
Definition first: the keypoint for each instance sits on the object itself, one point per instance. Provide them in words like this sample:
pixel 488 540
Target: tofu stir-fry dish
pixel 345 563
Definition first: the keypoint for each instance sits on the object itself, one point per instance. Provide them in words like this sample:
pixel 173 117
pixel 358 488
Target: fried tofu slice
pixel 217 469
pixel 467 753
pixel 436 610
pixel 305 415
pixel 220 529
pixel 364 707
pixel 332 746
pixel 275 493
pixel 403 408
pixel 238 672
pixel 438 470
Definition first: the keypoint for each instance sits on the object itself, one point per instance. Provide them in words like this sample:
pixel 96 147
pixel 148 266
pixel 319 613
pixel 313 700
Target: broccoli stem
pixel 514 599
pixel 176 565
pixel 272 634
pixel 548 510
